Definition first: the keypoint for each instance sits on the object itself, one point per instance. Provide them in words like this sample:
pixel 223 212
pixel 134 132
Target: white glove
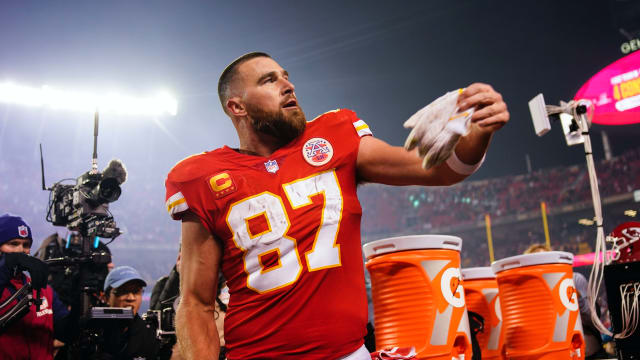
pixel 437 128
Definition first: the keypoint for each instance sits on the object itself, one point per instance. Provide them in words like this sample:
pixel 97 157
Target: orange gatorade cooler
pixel 418 298
pixel 539 305
pixel 481 294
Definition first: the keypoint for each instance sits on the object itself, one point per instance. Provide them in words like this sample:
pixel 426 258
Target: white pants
pixel 361 354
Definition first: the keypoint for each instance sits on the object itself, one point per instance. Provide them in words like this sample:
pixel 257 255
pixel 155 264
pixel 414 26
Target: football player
pixel 280 217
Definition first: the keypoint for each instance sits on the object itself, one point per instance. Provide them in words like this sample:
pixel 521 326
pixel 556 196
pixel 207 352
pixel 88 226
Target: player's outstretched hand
pixel 491 111
pixel 437 128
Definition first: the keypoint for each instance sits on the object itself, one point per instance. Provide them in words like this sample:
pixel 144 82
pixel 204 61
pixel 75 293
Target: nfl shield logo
pixel 272 166
pixel 23 231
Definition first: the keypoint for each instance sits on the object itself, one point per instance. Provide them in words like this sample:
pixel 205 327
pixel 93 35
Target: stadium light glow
pixel 586 222
pixel 112 102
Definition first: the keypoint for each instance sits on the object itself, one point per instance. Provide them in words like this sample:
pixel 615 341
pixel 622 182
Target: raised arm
pixel 382 163
pixel 195 317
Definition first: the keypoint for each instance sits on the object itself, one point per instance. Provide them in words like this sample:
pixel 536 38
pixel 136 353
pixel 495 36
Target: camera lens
pixel 109 190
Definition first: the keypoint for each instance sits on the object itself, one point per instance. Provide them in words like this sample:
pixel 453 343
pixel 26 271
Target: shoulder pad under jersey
pixel 190 168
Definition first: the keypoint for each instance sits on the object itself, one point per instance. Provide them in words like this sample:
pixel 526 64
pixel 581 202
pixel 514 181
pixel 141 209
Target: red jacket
pixel 31 337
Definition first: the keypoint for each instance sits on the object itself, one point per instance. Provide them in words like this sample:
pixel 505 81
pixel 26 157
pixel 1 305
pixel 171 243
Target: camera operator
pixel 123 288
pixel 167 288
pixel 165 294
pixel 32 335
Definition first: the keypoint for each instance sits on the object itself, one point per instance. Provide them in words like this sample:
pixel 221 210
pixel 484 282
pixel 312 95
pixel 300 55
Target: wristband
pixel 461 168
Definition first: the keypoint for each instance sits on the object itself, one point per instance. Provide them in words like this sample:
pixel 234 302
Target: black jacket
pixel 167 287
pixel 137 340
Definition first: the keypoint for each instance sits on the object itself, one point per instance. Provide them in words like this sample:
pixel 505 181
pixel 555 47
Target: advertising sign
pixel 615 92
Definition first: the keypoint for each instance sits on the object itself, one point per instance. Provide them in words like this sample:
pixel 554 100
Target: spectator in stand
pixel 537 248
pixel 466 203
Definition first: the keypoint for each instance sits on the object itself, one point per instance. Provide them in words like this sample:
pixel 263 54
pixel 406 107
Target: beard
pixel 283 127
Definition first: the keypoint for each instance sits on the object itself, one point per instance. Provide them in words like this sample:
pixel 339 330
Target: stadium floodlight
pixel 112 102
pixel 586 222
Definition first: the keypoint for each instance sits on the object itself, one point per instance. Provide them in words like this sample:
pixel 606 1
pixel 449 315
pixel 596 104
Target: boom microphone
pixel 116 170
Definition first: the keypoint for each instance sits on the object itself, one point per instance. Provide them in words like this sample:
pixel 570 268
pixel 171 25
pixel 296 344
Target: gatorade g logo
pixel 497 310
pixel 568 294
pixel 451 287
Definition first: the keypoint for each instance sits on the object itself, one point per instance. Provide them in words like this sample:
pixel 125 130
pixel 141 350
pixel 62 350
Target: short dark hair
pixel 229 73
pixel 537 247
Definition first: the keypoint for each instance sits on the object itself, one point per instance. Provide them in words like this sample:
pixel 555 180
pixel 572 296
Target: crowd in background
pixel 513 204
pixel 387 211
pixel 150 238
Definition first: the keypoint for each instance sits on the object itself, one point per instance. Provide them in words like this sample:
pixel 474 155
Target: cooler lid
pixel 411 242
pixel 473 273
pixel 548 257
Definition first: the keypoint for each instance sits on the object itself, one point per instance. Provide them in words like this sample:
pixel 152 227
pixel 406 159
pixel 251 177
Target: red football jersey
pixel 290 229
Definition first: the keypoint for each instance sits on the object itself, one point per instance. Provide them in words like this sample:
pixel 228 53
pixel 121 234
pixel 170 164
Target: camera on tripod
pixel 163 321
pixel 164 324
pixel 80 266
pixel 84 207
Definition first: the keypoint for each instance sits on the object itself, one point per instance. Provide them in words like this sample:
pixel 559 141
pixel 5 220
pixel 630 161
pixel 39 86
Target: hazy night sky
pixel 385 60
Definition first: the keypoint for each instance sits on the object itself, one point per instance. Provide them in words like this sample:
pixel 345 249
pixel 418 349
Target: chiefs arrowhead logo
pixel 317 151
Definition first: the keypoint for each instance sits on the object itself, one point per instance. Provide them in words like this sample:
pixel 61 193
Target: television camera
pixel 83 208
pixel 163 321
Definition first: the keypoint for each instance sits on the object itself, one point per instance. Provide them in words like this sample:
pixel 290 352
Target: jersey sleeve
pixel 182 191
pixel 360 126
pixel 175 201
pixel 187 190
